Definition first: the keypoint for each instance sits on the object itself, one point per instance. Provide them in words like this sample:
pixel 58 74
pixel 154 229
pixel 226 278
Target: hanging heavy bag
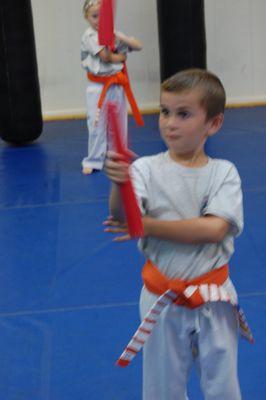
pixel 182 38
pixel 20 104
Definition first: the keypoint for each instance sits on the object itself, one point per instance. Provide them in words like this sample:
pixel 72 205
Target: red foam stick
pixel 106 36
pixel 131 207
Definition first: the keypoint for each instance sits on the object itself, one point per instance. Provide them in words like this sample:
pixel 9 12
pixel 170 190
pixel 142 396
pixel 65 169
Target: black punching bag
pixel 20 104
pixel 182 38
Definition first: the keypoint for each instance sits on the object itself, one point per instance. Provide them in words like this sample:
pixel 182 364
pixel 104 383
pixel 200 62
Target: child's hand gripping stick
pixel 131 207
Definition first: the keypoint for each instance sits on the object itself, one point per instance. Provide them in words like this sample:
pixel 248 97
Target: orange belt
pixel 158 283
pixel 120 78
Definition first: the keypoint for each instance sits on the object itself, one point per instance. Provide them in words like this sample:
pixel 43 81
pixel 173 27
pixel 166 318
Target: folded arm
pixel 130 41
pixel 206 229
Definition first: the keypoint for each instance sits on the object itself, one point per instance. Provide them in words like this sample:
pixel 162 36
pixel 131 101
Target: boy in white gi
pixel 192 211
pixel 100 63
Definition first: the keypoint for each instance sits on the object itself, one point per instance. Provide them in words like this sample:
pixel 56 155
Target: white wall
pixel 236 33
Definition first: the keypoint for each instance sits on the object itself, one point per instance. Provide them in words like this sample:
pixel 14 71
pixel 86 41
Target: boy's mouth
pixel 172 137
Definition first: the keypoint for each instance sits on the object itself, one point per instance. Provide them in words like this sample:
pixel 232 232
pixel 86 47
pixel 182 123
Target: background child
pixel 101 62
pixel 192 210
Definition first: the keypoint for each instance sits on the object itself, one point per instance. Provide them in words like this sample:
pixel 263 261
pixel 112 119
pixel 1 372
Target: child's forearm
pixel 209 229
pixel 130 41
pixel 115 204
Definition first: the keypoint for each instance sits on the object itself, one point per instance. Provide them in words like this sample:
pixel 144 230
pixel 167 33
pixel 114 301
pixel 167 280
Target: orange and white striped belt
pixel 191 294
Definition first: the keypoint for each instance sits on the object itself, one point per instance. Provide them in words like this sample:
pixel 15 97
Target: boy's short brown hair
pixel 213 93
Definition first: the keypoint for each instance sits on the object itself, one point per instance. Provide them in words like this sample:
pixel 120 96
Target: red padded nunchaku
pixel 131 207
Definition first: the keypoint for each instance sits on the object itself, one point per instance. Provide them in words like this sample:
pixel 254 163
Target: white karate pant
pixel 99 142
pixel 211 330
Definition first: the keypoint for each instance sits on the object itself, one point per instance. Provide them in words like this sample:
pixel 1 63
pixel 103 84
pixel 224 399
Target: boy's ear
pixel 215 124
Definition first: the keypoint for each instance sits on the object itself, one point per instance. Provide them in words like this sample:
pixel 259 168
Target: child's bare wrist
pixel 146 225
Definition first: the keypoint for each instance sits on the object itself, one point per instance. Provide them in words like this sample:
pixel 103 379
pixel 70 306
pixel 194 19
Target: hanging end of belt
pixel 122 363
pixel 97 116
pixel 138 118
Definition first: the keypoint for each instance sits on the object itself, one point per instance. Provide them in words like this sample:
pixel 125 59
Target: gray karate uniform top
pixel 90 60
pixel 169 191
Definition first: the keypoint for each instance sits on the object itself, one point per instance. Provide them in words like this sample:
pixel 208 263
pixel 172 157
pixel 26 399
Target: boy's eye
pixel 183 114
pixel 164 111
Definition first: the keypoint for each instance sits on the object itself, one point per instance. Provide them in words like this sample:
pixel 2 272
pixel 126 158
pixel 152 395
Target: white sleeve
pixel 90 44
pixel 227 201
pixel 140 174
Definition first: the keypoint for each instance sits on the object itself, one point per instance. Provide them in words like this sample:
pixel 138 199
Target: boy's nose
pixel 172 122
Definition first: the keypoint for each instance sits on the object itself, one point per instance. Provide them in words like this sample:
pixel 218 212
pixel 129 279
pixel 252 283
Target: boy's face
pixel 183 124
pixel 93 15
